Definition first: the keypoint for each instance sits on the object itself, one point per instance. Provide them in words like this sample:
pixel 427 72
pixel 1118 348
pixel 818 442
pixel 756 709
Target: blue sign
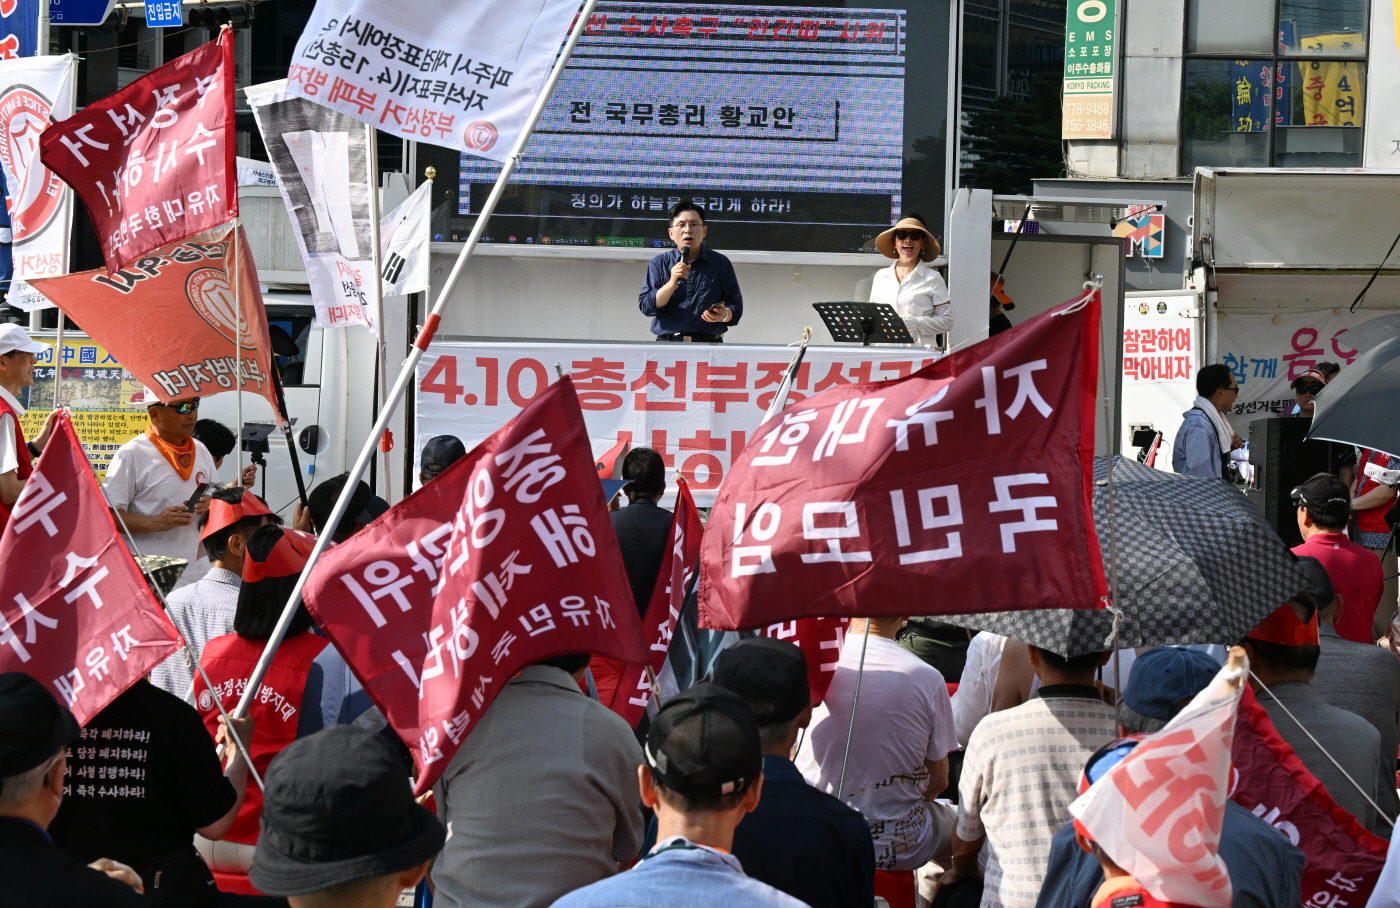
pixel 79 12
pixel 19 29
pixel 164 14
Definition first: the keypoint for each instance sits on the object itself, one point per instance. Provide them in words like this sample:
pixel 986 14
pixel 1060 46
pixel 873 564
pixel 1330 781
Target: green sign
pixel 1091 55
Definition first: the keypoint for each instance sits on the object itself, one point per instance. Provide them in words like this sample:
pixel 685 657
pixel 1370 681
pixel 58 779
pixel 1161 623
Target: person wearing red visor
pixel 308 685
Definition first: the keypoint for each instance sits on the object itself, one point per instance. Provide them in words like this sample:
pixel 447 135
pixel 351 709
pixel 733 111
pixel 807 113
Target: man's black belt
pixel 692 337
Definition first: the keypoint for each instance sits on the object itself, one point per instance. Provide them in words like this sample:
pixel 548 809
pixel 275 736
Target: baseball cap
pixel 1098 766
pixel 13 339
pixel 440 453
pixel 704 743
pixel 1324 494
pixel 1164 676
pixel 1312 375
pixel 770 675
pixel 33 725
pixel 337 807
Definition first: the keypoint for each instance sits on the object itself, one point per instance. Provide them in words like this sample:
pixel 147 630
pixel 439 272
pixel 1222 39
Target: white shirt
pixel 973 698
pixel 141 481
pixel 904 717
pixel 922 301
pixel 9 455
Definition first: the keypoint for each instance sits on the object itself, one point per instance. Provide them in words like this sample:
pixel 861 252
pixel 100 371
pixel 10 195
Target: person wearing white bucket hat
pixel 915 290
pixel 18 352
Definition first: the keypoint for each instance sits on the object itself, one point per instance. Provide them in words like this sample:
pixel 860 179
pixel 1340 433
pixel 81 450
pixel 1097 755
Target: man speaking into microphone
pixel 691 292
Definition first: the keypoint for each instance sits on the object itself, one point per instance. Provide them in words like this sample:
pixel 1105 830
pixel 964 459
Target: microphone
pixel 685 256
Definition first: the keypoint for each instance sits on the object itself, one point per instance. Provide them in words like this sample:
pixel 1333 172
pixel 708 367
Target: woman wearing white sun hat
pixel 915 290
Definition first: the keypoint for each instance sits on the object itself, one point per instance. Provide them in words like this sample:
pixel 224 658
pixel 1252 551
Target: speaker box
pixel 1283 458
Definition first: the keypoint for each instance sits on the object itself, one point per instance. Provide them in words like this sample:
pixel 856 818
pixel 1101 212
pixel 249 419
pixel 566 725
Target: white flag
pixel 1158 813
pixel 37 90
pixel 457 73
pixel 321 158
pixel 403 242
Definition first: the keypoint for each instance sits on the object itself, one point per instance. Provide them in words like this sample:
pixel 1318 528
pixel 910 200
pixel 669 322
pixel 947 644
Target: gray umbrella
pixel 1358 406
pixel 1197 563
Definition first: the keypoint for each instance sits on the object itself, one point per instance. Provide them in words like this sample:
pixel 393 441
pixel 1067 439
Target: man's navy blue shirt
pixel 711 282
pixel 806 843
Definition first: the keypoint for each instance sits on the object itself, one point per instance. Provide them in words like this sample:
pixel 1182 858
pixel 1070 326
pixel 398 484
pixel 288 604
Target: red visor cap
pixel 222 514
pixel 286 559
pixel 1284 627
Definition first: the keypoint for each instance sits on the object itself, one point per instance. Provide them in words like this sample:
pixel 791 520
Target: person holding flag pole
pixel 420 346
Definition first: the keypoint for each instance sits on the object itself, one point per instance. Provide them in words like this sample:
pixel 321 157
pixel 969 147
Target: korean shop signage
pixel 1091 59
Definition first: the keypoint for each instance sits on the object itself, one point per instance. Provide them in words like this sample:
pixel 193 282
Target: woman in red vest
pixel 308 686
pixel 1369 503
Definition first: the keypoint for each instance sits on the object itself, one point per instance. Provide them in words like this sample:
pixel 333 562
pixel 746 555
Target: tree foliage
pixel 1016 140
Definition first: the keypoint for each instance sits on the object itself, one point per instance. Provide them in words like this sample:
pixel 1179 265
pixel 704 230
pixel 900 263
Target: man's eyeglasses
pixel 184 407
pixel 1235 388
pixel 1313 390
pixel 908 234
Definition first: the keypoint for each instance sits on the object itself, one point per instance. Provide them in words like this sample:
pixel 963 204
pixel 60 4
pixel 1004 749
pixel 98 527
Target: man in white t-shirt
pixel 17 355
pixel 899 751
pixel 153 476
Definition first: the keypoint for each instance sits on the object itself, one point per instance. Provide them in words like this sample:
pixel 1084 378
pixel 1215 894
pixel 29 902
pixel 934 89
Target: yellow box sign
pixel 98 393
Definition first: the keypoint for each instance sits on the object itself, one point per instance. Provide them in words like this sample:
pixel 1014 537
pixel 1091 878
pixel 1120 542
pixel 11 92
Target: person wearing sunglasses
pixel 153 478
pixel 1306 387
pixel 915 290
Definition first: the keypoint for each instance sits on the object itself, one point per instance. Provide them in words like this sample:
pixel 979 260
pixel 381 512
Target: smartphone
pixel 198 494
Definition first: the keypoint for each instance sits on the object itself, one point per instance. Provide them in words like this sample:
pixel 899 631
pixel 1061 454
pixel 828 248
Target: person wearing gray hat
pixel 340 826
pixel 799 840
pixel 702 773
pixel 1266 871
pixel 35 731
pixel 18 353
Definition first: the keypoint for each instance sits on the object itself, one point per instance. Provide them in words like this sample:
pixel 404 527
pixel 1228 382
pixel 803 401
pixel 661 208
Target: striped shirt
pixel 201 612
pixel 1020 774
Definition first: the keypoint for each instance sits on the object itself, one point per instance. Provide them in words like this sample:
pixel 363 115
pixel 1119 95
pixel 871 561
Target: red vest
pixel 21 454
pixel 1370 520
pixel 229 661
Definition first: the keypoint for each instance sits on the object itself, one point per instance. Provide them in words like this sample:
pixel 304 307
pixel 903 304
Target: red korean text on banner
pixel 975 471
pixel 1344 859
pixel 169 319
pixel 153 162
pixel 633 691
pixel 76 614
pixel 820 640
pixel 506 558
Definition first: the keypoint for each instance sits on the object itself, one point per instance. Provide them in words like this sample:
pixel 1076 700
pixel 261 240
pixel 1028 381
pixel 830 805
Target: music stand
pixel 863 323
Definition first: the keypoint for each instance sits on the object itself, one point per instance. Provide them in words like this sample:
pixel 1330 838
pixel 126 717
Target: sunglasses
pixel 184 408
pixel 908 234
pixel 1310 389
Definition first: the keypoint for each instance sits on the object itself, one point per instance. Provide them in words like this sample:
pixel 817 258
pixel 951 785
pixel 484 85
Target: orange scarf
pixel 181 457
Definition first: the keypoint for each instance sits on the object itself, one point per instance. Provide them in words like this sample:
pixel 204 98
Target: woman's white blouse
pixel 922 301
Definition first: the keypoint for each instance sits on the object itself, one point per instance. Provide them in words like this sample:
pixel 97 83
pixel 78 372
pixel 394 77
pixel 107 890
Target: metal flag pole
pixel 420 346
pixel 383 371
pixel 237 357
pixel 58 358
pixel 850 731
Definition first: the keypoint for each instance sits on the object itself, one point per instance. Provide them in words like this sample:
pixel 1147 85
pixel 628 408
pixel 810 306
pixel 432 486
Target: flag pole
pixel 855 701
pixel 385 440
pixel 58 357
pixel 415 353
pixel 238 358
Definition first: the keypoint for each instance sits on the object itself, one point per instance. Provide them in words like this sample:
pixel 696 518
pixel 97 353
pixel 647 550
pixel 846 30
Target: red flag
pixel 1344 859
pixel 76 612
pixel 178 339
pixel 153 162
pixel 609 466
pixel 633 690
pixel 820 640
pixel 507 558
pixel 973 473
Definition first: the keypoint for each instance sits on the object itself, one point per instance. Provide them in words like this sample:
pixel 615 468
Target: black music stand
pixel 863 322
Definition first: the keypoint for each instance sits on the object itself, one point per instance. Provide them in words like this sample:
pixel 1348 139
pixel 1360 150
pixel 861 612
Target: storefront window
pixel 1230 27
pixel 1334 29
pixel 1226 113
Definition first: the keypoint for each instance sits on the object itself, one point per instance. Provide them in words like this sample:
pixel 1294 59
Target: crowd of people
pixel 937 767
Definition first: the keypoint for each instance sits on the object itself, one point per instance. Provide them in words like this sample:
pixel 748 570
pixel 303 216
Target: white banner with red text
pixel 697 405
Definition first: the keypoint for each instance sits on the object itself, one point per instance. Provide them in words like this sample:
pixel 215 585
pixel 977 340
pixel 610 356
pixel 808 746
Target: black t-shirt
pixel 142 778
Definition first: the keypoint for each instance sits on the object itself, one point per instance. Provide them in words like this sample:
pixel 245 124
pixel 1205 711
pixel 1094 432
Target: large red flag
pixel 973 473
pixel 170 318
pixel 75 612
pixel 153 162
pixel 1344 859
pixel 633 690
pixel 820 640
pixel 507 558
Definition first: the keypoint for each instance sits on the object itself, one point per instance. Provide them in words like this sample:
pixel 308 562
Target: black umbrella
pixel 1358 406
pixel 1197 563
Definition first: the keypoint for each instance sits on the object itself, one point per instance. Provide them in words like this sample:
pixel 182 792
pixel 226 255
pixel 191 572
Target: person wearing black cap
pixel 439 453
pixel 361 510
pixel 1266 870
pixel 798 840
pixel 35 731
pixel 340 828
pixel 1324 509
pixel 703 772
